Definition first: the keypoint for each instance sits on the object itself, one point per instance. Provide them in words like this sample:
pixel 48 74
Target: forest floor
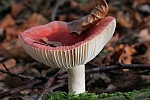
pixel 129 47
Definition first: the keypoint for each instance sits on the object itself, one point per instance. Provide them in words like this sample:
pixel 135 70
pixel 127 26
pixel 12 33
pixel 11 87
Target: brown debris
pixel 123 20
pixel 83 24
pixel 130 45
pixel 46 42
pixel 128 82
pixel 16 9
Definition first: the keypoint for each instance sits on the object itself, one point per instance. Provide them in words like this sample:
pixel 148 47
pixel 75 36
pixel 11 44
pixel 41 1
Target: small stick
pixel 18 89
pixel 24 76
pixel 5 67
pixel 111 68
pixel 21 76
pixel 115 67
pixel 49 83
pixel 17 75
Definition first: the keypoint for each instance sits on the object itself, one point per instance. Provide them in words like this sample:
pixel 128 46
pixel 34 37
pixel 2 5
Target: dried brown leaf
pixel 123 20
pixel 7 21
pixel 144 35
pixel 12 81
pixel 46 42
pixel 9 64
pixel 141 60
pixel 126 56
pixel 137 18
pixel 14 8
pixel 9 26
pixel 81 25
pixel 56 84
pixel 99 12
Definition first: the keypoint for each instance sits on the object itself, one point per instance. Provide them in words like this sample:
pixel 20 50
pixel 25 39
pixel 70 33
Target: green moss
pixel 143 94
pixel 70 96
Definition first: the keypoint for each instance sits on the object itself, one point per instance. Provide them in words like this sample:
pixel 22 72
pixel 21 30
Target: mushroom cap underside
pixel 75 50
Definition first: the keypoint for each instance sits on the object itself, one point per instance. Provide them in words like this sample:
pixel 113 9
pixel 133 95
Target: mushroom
pixel 73 53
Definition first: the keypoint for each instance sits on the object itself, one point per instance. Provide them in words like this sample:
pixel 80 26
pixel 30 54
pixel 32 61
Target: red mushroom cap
pixel 58 31
pixel 71 43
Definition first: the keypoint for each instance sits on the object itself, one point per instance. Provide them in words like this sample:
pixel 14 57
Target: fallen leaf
pixel 117 53
pixel 11 44
pixel 11 32
pixel 16 8
pixel 126 56
pixel 128 81
pixel 99 12
pixel 81 25
pixel 123 20
pixel 46 42
pixel 12 82
pixel 144 35
pixel 136 18
pixel 13 52
pixel 9 26
pixel 8 63
pixel 56 84
pixel 141 60
pixel 7 21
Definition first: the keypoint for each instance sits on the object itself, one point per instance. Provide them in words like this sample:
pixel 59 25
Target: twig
pixel 16 90
pixel 121 73
pixel 111 68
pixel 5 67
pixel 17 75
pixel 49 83
pixel 116 67
pixel 55 9
pixel 21 76
pixel 42 81
pixel 58 75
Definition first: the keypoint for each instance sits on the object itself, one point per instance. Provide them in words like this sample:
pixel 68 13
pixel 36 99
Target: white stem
pixel 76 79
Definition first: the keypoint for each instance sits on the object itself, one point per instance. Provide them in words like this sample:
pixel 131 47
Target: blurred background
pixel 130 43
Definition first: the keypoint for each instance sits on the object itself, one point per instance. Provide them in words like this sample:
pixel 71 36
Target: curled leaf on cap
pixel 83 24
pixel 46 42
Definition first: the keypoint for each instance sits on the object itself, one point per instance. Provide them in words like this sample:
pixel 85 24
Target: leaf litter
pixel 129 45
